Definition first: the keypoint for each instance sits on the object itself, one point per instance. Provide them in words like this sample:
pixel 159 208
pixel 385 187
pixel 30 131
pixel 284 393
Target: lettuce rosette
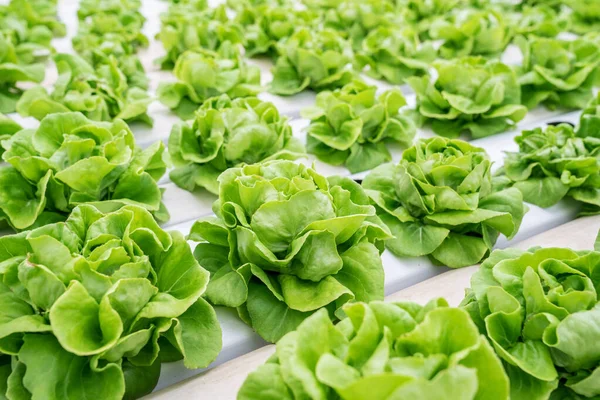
pixel 589 123
pixel 541 20
pixel 287 242
pixel 101 94
pixel 204 74
pixel 539 309
pixel 439 201
pixel 90 307
pixel 382 351
pixel 31 44
pixel 421 13
pixel 39 13
pixel 8 127
pixel 558 73
pixel 353 126
pixel 12 73
pixel 585 16
pixel 394 54
pixel 467 32
pixel 70 160
pixel 554 163
pixel 117 7
pixel 471 95
pixel 191 26
pixel 227 133
pixel 312 59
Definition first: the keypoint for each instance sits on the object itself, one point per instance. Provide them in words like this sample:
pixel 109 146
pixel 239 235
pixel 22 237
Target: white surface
pixel 186 207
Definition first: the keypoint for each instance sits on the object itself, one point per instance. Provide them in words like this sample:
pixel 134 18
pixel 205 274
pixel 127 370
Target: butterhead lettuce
pixel 226 133
pixel 70 160
pixel 353 125
pixel 439 201
pixel 90 307
pixel 470 94
pixel 287 242
pixel 539 309
pixel 382 351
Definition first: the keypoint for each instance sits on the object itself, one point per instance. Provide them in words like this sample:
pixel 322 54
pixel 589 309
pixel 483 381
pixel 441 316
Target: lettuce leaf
pixel 100 298
pixel 558 73
pixel 352 126
pixel 589 123
pixel 585 17
pixel 312 59
pixel 71 160
pixel 204 74
pixel 101 94
pixel 471 95
pixel 224 134
pixel 554 163
pixel 287 242
pixel 421 13
pixel 382 351
pixel 539 309
pixel 541 20
pixel 8 127
pixel 439 201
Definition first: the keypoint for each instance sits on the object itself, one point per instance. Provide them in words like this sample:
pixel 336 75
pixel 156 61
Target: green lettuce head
pixel 70 160
pixel 205 74
pixel 287 242
pixel 558 73
pixel 315 59
pixel 540 21
pixel 31 44
pixel 382 351
pixel 471 32
pixel 90 307
pixel 38 13
pixel 353 126
pixel 421 13
pixel 439 201
pixel 540 310
pixel 8 127
pixel 589 124
pixel 100 94
pixel 470 94
pixel 394 54
pixel 117 7
pixel 12 73
pixel 554 163
pixel 585 16
pixel 227 133
pixel 190 26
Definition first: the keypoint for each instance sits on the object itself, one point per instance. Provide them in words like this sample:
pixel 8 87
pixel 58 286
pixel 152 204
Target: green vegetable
pixel 557 73
pixel 90 307
pixel 190 26
pixel 287 242
pixel 421 13
pixel 352 126
pixel 12 73
pixel 315 59
pixel 117 7
pixel 71 160
pixel 394 55
pixel 471 32
pixel 541 21
pixel 100 94
pixel 540 310
pixel 382 351
pixel 589 124
pixel 8 127
pixel 554 163
pixel 439 201
pixel 470 94
pixel 226 133
pixel 205 74
pixel 585 16
pixel 31 45
pixel 38 13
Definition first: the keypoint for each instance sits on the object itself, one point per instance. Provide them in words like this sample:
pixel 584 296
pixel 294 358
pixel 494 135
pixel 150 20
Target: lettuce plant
pixel 12 73
pixel 469 95
pixel 558 73
pixel 100 94
pixel 287 242
pixel 585 16
pixel 540 21
pixel 421 13
pixel 554 163
pixel 101 300
pixel 353 126
pixel 540 310
pixel 205 74
pixel 8 127
pixel 71 160
pixel 190 26
pixel 224 134
pixel 382 351
pixel 394 55
pixel 471 32
pixel 315 59
pixel 38 13
pixel 439 201
pixel 31 44
pixel 117 7
pixel 589 124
